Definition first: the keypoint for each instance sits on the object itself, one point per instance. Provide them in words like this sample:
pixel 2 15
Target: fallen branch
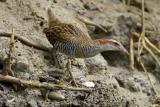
pixel 36 84
pixel 25 41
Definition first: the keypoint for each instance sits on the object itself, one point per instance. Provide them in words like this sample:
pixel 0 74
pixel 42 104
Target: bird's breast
pixel 75 49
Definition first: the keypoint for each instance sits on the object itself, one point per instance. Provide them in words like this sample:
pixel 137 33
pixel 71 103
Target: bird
pixel 70 40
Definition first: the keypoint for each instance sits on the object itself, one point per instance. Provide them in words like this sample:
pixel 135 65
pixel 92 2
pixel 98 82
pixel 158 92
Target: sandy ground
pixel 109 71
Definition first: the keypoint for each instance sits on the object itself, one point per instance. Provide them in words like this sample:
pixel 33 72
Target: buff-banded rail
pixel 70 40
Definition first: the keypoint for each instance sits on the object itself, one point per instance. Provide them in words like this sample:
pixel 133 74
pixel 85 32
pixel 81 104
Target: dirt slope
pixel 28 18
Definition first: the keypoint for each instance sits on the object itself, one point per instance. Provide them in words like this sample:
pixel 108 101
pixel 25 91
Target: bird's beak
pixel 123 49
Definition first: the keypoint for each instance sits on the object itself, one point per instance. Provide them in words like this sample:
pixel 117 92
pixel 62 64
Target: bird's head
pixel 117 44
pixel 112 42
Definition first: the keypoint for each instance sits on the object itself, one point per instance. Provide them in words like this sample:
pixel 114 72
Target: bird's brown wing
pixel 67 32
pixel 77 32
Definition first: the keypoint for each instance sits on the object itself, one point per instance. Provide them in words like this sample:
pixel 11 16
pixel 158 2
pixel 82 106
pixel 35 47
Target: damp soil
pixel 116 86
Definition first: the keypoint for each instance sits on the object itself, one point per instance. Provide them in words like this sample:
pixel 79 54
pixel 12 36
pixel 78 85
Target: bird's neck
pixel 102 48
pixel 102 44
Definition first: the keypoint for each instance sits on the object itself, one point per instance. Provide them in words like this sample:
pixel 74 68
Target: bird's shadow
pixel 116 58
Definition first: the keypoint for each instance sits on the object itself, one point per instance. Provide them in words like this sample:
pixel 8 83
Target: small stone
pixel 89 84
pixel 56 96
pixel 53 95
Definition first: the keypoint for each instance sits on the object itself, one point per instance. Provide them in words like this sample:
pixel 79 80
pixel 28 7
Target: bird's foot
pixel 64 77
pixel 46 96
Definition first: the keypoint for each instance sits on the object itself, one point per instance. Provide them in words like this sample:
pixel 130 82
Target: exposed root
pixel 142 45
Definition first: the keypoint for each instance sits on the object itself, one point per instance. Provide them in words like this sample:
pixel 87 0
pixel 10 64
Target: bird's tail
pixel 52 20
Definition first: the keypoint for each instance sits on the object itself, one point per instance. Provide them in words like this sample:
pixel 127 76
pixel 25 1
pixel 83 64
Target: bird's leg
pixel 68 72
pixel 69 66
pixel 45 94
pixel 58 65
pixel 54 56
pixel 61 81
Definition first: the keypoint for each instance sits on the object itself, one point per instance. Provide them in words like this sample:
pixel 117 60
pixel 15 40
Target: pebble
pixel 88 84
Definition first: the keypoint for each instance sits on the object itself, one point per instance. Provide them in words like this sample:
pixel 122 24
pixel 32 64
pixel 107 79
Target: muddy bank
pixel 118 87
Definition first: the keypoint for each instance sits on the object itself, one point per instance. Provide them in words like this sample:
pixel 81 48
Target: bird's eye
pixel 116 43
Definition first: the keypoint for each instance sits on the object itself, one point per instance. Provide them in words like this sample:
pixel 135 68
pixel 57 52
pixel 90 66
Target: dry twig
pixel 36 84
pixel 89 22
pixel 131 55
